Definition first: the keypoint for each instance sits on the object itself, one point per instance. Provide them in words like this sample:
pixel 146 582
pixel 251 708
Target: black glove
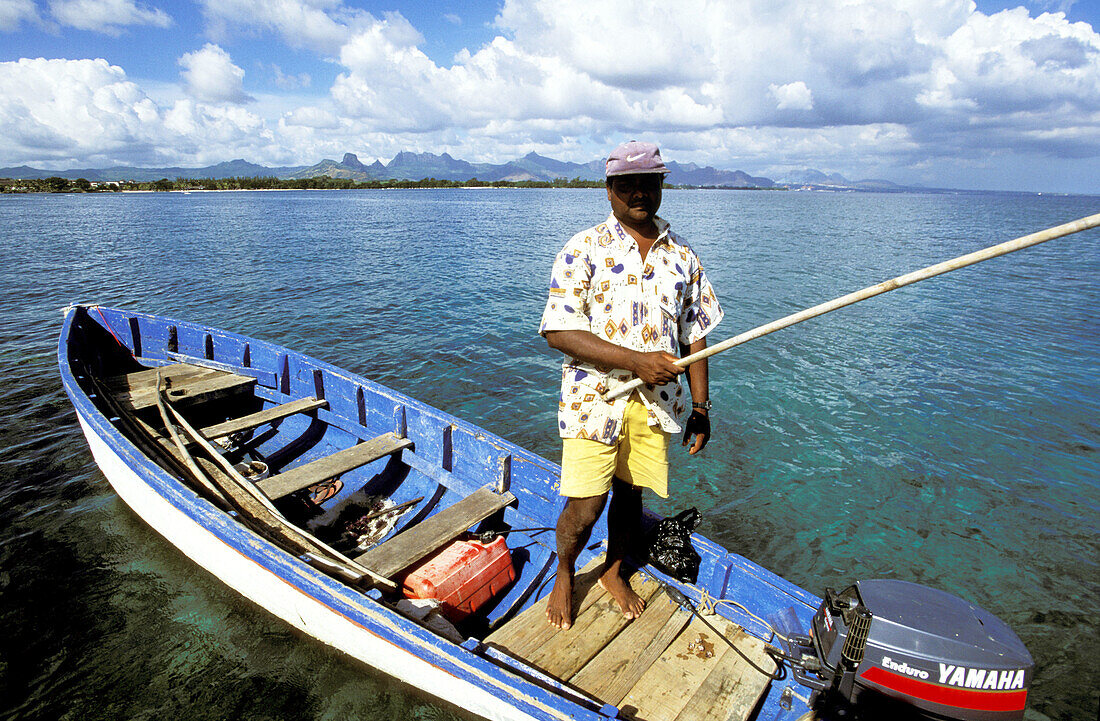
pixel 697 424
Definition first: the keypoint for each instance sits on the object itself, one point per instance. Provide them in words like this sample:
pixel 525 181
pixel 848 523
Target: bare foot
pixel 559 604
pixel 630 603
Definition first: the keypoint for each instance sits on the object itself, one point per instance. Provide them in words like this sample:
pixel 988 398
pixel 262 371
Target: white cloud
pixel 321 25
pixel 210 76
pixel 698 65
pixel 216 125
pixel 312 117
pixel 86 112
pixel 630 44
pixel 1061 6
pixel 73 108
pixel 900 80
pixel 1010 62
pixel 792 96
pixel 836 83
pixel 106 16
pixel 290 82
pixel 13 13
pixel 1009 82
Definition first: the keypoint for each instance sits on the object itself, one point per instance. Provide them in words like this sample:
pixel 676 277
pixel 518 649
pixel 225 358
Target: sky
pixel 993 95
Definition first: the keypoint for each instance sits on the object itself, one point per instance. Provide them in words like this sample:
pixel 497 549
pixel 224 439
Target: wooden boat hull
pixel 336 613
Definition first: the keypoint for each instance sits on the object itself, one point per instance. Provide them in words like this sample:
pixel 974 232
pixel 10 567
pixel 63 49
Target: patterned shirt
pixel 601 284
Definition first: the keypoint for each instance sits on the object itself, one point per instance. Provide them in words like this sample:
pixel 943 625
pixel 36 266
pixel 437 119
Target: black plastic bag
pixel 670 548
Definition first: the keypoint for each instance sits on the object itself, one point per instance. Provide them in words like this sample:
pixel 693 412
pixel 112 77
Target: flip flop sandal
pixel 324 491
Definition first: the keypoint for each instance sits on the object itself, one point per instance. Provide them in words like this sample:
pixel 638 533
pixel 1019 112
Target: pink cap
pixel 635 157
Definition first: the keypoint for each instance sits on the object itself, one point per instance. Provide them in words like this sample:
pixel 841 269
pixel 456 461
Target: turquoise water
pixel 945 433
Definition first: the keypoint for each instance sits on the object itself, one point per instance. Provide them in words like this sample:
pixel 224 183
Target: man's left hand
pixel 698 425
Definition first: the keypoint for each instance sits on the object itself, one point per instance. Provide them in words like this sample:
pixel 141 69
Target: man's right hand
pixel 656 367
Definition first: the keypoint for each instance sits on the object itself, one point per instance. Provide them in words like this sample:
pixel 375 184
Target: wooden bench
pixel 433 533
pixel 186 384
pixel 260 418
pixel 323 469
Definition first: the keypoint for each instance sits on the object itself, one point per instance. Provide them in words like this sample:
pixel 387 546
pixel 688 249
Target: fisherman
pixel 625 296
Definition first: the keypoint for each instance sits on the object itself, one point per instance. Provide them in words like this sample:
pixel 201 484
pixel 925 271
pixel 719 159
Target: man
pixel 625 296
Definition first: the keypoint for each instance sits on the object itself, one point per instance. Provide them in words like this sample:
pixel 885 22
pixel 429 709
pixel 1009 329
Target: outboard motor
pixel 884 645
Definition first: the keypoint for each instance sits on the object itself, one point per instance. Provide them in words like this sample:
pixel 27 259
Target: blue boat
pixel 319 495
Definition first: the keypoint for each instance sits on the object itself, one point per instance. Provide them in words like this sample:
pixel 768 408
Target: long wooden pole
pixel 931 271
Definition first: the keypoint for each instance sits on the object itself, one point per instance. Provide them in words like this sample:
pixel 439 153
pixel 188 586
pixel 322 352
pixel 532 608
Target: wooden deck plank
pixel 406 548
pixel 530 629
pixel 267 415
pixel 330 466
pixel 733 688
pixel 594 628
pixel 665 689
pixel 618 667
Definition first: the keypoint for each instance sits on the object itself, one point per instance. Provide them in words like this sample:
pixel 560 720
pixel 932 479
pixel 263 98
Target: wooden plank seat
pixel 148 377
pixel 260 418
pixel 186 384
pixel 323 469
pixel 433 533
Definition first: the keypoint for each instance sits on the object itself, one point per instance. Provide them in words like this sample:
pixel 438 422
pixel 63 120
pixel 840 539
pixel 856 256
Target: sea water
pixel 945 433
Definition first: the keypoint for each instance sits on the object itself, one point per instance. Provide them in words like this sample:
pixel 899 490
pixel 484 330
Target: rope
pixel 108 326
pixel 487 536
pixel 751 615
pixel 678 596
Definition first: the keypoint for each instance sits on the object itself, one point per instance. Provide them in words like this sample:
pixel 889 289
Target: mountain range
pixel 416 166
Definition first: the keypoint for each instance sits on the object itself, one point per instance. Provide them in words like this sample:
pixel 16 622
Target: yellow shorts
pixel 639 457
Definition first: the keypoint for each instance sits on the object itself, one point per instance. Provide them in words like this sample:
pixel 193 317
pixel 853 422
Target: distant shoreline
pixel 58 185
pixel 323 182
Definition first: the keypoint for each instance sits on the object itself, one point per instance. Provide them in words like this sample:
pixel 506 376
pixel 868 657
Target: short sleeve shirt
pixel 600 284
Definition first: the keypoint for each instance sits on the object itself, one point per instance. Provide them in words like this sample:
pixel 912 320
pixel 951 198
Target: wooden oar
pixel 962 261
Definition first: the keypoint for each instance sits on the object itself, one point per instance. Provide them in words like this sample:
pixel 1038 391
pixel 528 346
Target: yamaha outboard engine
pixel 885 644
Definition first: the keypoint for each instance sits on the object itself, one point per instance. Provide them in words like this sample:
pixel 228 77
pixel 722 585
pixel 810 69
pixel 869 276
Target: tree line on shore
pixel 57 184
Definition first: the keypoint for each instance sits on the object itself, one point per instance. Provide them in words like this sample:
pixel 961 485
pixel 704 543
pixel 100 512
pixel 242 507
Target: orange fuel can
pixel 463 576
